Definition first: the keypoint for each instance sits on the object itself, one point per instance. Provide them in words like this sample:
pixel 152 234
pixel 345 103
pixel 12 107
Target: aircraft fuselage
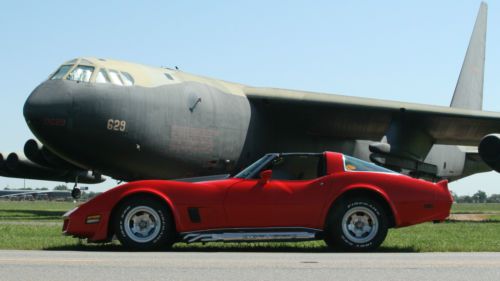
pixel 156 123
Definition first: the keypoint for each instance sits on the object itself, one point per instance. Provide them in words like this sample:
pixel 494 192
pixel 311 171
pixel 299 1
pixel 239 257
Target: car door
pixel 280 202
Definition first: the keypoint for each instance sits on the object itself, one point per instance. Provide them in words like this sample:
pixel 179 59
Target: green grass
pixel 33 237
pixel 33 210
pixel 37 225
pixel 494 218
pixel 447 237
pixel 476 208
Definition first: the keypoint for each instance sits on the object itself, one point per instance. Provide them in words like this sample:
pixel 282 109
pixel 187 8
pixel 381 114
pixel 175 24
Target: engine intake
pixel 489 150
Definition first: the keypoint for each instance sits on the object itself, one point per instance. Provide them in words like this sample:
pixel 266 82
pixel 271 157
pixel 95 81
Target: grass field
pixel 33 210
pixel 477 208
pixel 37 225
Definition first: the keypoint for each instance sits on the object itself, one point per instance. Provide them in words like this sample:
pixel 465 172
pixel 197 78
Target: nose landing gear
pixel 76 193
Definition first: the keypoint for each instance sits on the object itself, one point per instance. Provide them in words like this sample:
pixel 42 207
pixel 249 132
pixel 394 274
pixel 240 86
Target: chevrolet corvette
pixel 345 201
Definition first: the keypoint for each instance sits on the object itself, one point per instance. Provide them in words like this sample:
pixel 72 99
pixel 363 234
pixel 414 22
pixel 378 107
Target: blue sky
pixel 399 50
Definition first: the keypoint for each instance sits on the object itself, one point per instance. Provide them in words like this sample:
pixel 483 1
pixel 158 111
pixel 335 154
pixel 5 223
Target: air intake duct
pixel 489 150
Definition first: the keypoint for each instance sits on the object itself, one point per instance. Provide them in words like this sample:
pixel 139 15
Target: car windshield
pixel 250 169
pixel 352 164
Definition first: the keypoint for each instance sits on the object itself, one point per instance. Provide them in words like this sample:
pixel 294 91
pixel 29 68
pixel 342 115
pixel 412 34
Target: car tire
pixel 143 224
pixel 356 225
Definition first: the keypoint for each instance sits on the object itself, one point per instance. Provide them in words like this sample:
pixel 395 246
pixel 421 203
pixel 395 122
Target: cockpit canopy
pixel 82 70
pixel 115 72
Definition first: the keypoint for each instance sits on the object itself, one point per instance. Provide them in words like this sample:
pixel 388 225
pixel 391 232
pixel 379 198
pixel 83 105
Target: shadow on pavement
pixel 234 247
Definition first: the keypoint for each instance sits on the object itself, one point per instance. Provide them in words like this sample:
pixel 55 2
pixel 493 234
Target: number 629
pixel 116 125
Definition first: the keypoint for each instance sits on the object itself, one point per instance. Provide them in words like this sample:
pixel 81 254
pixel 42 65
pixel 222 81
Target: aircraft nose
pixel 48 108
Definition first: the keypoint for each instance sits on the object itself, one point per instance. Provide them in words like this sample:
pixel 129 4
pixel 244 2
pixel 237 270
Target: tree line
pixel 478 197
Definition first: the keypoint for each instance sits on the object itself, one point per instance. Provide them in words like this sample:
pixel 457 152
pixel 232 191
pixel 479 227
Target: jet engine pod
pixel 489 150
pixel 3 172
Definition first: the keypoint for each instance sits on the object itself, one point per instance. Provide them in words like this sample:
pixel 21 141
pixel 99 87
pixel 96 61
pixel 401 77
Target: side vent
pixel 194 214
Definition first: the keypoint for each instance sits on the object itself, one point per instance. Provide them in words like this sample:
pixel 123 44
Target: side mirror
pixel 265 176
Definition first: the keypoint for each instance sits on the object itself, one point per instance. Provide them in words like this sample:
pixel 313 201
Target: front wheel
pixel 143 223
pixel 356 224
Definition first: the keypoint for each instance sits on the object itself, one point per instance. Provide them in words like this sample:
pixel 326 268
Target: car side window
pixel 352 164
pixel 297 167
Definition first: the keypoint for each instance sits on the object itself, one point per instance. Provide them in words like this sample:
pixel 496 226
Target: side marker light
pixel 93 219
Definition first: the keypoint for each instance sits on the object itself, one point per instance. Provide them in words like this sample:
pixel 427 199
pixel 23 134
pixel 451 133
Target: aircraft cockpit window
pixel 102 77
pixel 169 77
pixel 81 73
pixel 61 72
pixel 115 77
pixel 127 79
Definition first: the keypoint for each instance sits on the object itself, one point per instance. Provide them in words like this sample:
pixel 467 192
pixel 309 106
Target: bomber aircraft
pixel 95 117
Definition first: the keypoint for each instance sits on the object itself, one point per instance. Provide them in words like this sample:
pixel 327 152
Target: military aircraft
pixel 96 116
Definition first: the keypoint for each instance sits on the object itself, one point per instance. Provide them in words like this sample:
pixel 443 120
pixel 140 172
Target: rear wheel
pixel 144 223
pixel 356 224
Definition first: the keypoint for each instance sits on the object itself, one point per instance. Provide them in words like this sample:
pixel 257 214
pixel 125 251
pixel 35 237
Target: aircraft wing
pixel 371 119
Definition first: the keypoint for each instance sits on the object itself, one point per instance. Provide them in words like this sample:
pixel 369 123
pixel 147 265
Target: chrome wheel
pixel 360 225
pixel 142 224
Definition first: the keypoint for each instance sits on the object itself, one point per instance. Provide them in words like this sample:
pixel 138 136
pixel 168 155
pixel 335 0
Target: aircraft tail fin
pixel 469 89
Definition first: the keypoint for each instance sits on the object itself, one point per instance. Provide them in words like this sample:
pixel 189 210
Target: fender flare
pixel 155 193
pixel 362 187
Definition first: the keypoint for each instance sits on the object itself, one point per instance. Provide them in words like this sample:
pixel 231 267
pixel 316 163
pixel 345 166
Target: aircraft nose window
pixel 81 73
pixel 115 77
pixel 102 77
pixel 121 78
pixel 61 72
pixel 127 79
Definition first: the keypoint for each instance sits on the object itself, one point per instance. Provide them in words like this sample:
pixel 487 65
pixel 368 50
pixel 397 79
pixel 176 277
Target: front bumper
pixel 81 224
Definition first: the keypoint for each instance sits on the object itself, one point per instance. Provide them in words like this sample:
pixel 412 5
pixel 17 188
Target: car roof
pixel 299 153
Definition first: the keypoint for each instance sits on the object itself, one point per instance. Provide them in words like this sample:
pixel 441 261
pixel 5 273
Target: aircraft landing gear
pixel 76 193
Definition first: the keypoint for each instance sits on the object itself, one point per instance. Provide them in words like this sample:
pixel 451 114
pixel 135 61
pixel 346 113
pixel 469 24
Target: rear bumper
pixel 434 207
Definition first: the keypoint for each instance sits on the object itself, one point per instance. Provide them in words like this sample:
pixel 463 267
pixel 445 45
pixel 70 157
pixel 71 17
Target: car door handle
pixel 321 183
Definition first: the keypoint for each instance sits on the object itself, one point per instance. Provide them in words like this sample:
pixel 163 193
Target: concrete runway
pixel 75 266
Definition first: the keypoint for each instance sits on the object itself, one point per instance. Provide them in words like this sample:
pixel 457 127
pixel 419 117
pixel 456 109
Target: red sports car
pixel 347 202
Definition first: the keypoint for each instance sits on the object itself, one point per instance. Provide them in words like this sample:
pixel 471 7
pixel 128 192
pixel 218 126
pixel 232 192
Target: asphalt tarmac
pixel 75 266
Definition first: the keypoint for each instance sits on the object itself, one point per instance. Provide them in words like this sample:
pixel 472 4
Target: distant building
pixel 35 195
